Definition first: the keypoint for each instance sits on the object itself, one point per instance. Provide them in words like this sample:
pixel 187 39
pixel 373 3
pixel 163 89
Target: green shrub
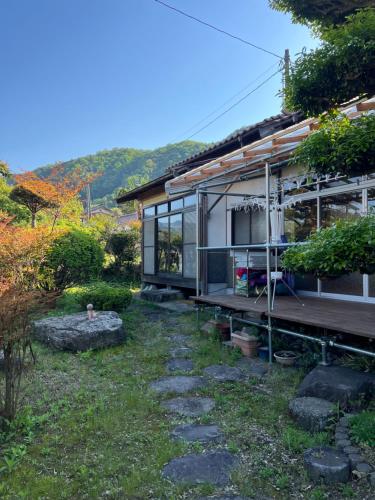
pixel 340 146
pixel 363 428
pixel 75 257
pixel 102 295
pixel 124 246
pixel 346 247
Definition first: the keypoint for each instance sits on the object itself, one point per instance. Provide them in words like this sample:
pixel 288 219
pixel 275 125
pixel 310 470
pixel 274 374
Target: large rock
pixel 327 465
pixel 75 332
pixel 312 414
pixel 212 468
pixel 338 384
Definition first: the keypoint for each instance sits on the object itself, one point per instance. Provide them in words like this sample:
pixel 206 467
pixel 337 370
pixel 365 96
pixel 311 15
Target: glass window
pixel 175 250
pixel 333 208
pixel 149 260
pixel 177 204
pixel 189 227
pixel 249 227
pixel 189 261
pixel 149 233
pixel 340 206
pixel 371 201
pixel 162 209
pixel 149 211
pixel 300 220
pixel 163 243
pixel 190 200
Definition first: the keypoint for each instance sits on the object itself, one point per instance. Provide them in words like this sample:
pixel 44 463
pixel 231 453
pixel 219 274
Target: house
pixel 251 204
pixel 169 228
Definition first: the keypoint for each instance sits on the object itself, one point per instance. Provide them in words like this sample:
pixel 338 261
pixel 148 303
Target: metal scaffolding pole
pixel 268 255
pixel 197 232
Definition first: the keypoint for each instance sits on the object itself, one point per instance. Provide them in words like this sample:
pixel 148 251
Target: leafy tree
pixel 124 246
pixel 342 68
pixel 4 169
pixel 75 257
pixel 340 146
pixel 320 11
pixel 19 212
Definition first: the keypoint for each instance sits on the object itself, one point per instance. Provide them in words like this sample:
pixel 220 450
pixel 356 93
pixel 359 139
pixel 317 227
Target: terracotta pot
pixel 247 343
pixel 222 328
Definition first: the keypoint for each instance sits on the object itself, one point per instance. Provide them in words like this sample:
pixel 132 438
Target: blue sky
pixel 78 76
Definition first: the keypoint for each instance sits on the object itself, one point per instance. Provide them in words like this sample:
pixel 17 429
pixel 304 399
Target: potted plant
pixel 247 340
pixel 286 358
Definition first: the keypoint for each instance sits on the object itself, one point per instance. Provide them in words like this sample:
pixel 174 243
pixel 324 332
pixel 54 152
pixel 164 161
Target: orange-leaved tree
pixel 22 251
pixel 51 193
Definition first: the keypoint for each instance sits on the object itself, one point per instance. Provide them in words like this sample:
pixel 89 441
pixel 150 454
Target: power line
pixel 217 29
pixel 227 101
pixel 235 104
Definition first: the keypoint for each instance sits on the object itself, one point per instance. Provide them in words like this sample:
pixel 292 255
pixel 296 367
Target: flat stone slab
pixel 327 464
pixel 224 373
pixel 180 339
pixel 212 468
pixel 195 432
pixel 252 367
pixel 223 497
pixel 180 352
pixel 189 407
pixel 338 384
pixel 180 364
pixel 74 332
pixel 161 295
pixel 179 384
pixel 312 414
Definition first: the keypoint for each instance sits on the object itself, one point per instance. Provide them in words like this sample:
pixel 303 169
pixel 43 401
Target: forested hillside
pixel 127 167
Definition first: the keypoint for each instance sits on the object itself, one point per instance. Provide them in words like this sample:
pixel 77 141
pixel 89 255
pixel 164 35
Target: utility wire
pixel 235 104
pixel 218 29
pixel 227 101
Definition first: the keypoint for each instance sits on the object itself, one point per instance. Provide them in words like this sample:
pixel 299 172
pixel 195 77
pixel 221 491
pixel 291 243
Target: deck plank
pixel 355 318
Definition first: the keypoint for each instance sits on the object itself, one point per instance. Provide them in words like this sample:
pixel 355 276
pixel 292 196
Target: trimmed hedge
pixel 104 296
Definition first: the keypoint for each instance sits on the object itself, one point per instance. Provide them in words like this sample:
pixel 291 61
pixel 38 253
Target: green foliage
pixel 120 164
pixel 75 257
pixel 339 70
pixel 348 246
pixel 104 296
pixel 320 11
pixel 20 213
pixel 4 169
pixel 340 146
pixel 297 441
pixel 363 428
pixel 124 246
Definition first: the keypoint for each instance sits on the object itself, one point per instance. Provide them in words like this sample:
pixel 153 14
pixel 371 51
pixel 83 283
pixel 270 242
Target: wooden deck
pixel 355 318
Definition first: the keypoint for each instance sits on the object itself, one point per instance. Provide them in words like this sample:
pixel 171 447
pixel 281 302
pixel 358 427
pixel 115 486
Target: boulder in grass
pixel 75 332
pixel 312 414
pixel 327 465
pixel 338 384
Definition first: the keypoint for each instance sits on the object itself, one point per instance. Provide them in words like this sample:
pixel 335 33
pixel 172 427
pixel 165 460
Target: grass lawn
pixel 91 428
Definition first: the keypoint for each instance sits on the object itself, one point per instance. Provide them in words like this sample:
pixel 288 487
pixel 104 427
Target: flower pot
pixel 216 326
pixel 247 343
pixel 286 358
pixel 263 353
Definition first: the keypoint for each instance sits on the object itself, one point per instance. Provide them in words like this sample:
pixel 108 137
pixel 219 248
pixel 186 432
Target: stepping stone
pixel 338 384
pixel 179 384
pixel 195 432
pixel 312 414
pixel 327 464
pixel 181 352
pixel 189 407
pixel 179 338
pixel 252 367
pixel 212 468
pixel 224 373
pixel 224 497
pixel 180 364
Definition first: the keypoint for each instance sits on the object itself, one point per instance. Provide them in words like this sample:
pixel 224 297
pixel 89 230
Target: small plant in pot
pixel 286 358
pixel 247 340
